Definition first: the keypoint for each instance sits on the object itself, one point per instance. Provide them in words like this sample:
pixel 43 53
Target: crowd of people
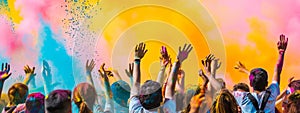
pixel 166 94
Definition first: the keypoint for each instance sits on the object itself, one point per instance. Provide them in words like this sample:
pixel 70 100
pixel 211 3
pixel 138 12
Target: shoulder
pixel 169 106
pixel 135 105
pixel 19 108
pixel 239 95
pixel 274 88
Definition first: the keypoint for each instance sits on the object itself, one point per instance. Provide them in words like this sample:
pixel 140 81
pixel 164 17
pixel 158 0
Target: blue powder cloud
pixel 53 51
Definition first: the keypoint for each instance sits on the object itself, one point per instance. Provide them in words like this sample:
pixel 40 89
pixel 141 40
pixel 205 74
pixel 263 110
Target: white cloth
pixel 247 106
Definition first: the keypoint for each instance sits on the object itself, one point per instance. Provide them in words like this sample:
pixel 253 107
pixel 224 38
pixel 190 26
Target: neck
pixel 255 91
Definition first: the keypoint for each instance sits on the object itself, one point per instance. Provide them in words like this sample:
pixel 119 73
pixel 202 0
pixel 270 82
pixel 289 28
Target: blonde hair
pixel 84 96
pixel 224 103
pixel 17 93
pixel 294 102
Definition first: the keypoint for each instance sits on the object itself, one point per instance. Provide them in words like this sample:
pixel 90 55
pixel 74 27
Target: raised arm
pixel 47 77
pixel 281 45
pixel 207 63
pixel 140 51
pixel 180 81
pixel 215 65
pixel 29 74
pixel 4 74
pixel 89 66
pixel 284 92
pixel 129 72
pixel 172 78
pixel 242 68
pixel 108 94
pixel 164 61
pixel 197 100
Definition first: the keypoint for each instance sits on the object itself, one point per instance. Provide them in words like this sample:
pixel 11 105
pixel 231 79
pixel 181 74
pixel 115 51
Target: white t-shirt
pixel 247 106
pixel 136 107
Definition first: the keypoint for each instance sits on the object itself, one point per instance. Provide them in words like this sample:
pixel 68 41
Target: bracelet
pixel 137 61
pixel 281 51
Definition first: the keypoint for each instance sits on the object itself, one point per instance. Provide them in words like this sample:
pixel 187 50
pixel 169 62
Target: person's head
pixel 84 96
pixel 35 103
pixel 221 81
pixel 150 95
pixel 58 101
pixel 241 87
pixel 121 92
pixel 294 102
pixel 294 85
pixel 225 103
pixel 17 93
pixel 258 79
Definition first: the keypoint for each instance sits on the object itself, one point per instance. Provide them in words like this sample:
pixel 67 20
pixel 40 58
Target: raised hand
pixel 165 57
pixel 291 79
pixel 89 66
pixel 207 62
pixel 281 46
pixel 29 75
pixel 241 67
pixel 103 72
pixel 183 53
pixel 215 65
pixel 4 73
pixel 129 71
pixel 203 77
pixel 140 50
pixel 46 70
pixel 196 102
pixel 29 72
pixel 282 43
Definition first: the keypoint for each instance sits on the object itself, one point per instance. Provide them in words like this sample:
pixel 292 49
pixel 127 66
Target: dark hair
pixel 224 103
pixel 58 101
pixel 35 103
pixel 295 85
pixel 150 95
pixel 258 79
pixel 294 102
pixel 121 92
pixel 17 93
pixel 84 96
pixel 241 86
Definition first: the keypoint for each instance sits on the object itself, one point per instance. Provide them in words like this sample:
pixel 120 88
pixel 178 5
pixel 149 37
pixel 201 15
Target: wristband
pixel 137 61
pixel 281 51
